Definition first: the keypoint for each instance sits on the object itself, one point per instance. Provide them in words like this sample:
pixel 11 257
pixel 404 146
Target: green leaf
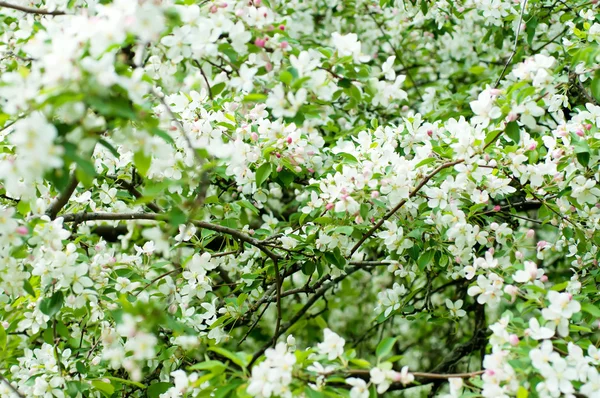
pixel 229 355
pixel 109 146
pixel 591 309
pixel 255 97
pixel 28 288
pixel 596 88
pixel 286 77
pixel 142 162
pixel 522 392
pixel 154 390
pixel 309 267
pixel 385 347
pixel 105 388
pixel 124 381
pixel 425 259
pixel 52 305
pixel 3 338
pixel 262 174
pixel 207 365
pixel 513 131
pixel 424 162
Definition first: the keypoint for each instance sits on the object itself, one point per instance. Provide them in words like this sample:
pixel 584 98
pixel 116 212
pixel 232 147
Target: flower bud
pixel 22 230
pixel 260 42
pixel 281 27
pixel 544 278
pixel 284 45
pixel 329 206
pixel 530 233
pixel 513 339
pixel 254 137
pixel 518 255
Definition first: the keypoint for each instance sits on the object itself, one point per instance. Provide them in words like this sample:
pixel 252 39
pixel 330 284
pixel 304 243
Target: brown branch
pixel 316 297
pixel 81 217
pixel 134 192
pixel 11 387
pixel 210 95
pixel 30 10
pixel 398 57
pixel 514 51
pixel 425 375
pixel 402 202
pixel 63 198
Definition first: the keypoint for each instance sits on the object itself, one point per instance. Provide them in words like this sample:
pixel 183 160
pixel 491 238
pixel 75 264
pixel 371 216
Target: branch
pixel 398 57
pixel 134 192
pixel 63 198
pixel 10 386
pixel 425 375
pixel 210 95
pixel 514 51
pixel 402 202
pixel 81 217
pixel 319 293
pixel 31 10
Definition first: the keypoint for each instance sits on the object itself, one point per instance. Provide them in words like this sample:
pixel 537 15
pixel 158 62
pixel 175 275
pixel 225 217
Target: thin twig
pixel 81 217
pixel 157 279
pixel 402 202
pixel 210 95
pixel 11 387
pixel 63 198
pixel 30 10
pixel 514 51
pixel 398 57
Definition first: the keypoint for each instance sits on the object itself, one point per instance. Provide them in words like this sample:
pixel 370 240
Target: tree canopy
pixel 304 198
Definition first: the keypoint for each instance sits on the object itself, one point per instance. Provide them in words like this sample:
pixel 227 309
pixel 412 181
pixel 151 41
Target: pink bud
pixel 405 108
pixel 588 126
pixel 580 133
pixel 278 155
pixel 491 251
pixel 281 27
pixel 214 8
pixel 284 45
pixel 374 194
pixel 490 372
pixel 513 339
pixel 511 290
pixel 259 42
pixel 329 206
pixel 279 168
pixel 518 255
pixel 530 233
pixel 239 12
pixel 289 139
pixel 570 296
pixel 251 232
pixel 544 278
pixel 22 230
pixel 223 5
pixel 310 170
pixel 358 219
pixel 532 146
pixel 430 133
pixel 497 208
pixel 541 244
pixel 512 116
pixel 257 3
pixel 254 137
pixel 269 66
